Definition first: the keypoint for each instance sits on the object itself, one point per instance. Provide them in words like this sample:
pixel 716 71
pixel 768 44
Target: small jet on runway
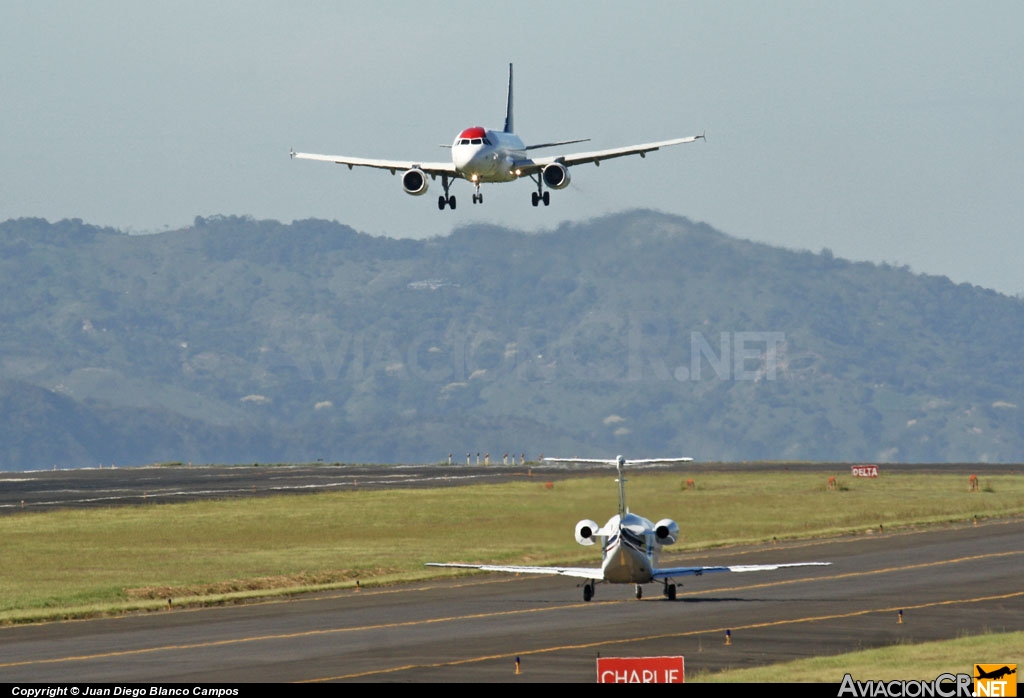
pixel 630 545
pixel 480 155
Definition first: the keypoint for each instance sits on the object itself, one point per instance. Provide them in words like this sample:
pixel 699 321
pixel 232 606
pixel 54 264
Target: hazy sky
pixel 886 131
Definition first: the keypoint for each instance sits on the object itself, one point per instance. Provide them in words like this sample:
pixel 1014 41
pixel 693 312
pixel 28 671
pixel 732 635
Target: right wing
pixel 431 168
pixel 581 572
pixel 596 156
pixel 668 572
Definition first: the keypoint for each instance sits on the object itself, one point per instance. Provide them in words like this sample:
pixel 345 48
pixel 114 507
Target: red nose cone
pixel 473 132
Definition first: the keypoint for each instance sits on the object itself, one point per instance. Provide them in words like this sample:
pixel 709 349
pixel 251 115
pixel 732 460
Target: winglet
pixel 508 107
pixel 291 153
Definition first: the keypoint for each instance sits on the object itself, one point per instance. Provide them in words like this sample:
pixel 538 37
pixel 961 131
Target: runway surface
pixel 102 487
pixel 948 582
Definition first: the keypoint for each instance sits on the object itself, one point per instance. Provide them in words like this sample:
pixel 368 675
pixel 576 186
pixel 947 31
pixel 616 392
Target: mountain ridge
pixel 237 340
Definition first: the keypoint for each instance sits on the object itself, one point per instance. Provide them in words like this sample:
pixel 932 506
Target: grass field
pixel 923 662
pixel 84 562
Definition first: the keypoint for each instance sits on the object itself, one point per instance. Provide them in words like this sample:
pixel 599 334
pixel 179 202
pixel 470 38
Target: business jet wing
pixel 581 572
pixel 596 156
pixel 669 572
pixel 431 168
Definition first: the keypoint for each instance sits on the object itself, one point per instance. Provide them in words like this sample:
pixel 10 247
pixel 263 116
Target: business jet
pixel 630 545
pixel 481 156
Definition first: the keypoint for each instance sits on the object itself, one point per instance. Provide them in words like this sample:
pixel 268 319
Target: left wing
pixel 667 572
pixel 581 572
pixel 431 168
pixel 596 156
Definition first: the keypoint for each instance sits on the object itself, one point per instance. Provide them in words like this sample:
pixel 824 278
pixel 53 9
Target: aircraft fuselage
pixel 482 155
pixel 631 551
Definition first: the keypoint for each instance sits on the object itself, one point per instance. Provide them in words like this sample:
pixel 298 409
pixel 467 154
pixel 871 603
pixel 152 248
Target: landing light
pixel 472 178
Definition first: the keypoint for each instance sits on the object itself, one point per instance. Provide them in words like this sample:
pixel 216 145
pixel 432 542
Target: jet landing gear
pixel 540 194
pixel 670 591
pixel 445 199
pixel 639 592
pixel 588 591
pixel 478 197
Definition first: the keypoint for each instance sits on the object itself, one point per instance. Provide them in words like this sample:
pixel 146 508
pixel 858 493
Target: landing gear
pixel 639 592
pixel 478 197
pixel 670 591
pixel 445 199
pixel 540 194
pixel 588 591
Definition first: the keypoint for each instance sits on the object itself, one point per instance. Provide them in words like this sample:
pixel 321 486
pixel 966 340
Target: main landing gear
pixel 588 591
pixel 639 592
pixel 540 194
pixel 445 199
pixel 670 591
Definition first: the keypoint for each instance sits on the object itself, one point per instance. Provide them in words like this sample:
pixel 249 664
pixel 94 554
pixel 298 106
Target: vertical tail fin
pixel 620 462
pixel 508 109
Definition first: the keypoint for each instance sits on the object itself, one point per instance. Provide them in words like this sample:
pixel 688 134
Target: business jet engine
pixel 556 175
pixel 414 181
pixel 667 531
pixel 585 531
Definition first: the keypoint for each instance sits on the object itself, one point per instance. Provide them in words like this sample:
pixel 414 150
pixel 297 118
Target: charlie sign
pixel 640 670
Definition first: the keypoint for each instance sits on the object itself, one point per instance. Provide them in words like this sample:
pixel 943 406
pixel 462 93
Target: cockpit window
pixel 486 142
pixel 478 141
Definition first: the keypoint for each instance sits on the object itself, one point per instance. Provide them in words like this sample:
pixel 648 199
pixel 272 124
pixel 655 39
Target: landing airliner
pixel 630 545
pixel 480 155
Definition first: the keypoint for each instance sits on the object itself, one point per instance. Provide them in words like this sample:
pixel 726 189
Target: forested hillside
pixel 238 340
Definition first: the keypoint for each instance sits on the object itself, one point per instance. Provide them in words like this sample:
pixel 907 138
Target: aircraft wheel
pixel 588 592
pixel 670 592
pixel 451 202
pixel 441 201
pixel 547 198
pixel 639 592
pixel 536 198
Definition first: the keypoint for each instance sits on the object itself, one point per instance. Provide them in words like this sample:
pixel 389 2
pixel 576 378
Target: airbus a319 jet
pixel 480 155
pixel 629 546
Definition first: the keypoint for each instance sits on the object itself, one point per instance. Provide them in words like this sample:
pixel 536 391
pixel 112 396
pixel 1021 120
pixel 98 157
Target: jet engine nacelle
pixel 414 181
pixel 667 531
pixel 556 175
pixel 585 531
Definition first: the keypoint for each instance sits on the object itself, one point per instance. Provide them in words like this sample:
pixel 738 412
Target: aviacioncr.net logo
pixel 943 686
pixel 995 680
